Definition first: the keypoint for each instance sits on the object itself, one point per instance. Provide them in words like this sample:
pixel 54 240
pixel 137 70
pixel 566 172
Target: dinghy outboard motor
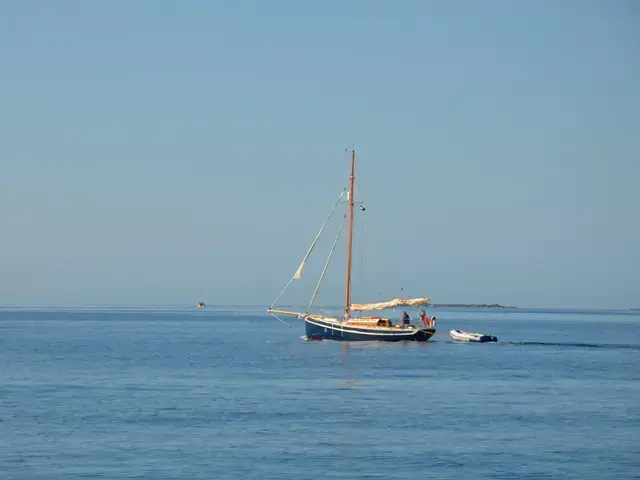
pixel 488 338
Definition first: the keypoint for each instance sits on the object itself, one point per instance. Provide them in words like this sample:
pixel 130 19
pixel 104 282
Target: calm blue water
pixel 230 394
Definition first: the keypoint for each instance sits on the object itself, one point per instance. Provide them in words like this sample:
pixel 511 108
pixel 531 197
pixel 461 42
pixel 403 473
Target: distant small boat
pixel 200 305
pixel 471 337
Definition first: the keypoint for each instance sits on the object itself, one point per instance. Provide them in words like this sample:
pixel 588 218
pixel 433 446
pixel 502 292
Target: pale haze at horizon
pixel 169 153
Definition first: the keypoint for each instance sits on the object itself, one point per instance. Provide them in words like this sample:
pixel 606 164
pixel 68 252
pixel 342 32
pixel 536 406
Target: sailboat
pixel 350 327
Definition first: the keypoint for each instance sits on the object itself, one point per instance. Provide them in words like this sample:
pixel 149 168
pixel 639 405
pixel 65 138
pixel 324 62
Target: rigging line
pixel 368 265
pixel 324 270
pixel 362 277
pixel 299 271
pixel 273 315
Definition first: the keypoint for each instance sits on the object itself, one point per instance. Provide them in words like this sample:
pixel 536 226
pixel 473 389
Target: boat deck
pixel 377 323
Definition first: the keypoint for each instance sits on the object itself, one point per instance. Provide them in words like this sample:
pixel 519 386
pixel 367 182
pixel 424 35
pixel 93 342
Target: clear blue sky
pixel 163 152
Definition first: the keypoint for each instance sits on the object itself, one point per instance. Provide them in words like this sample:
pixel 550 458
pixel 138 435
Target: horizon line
pixel 478 306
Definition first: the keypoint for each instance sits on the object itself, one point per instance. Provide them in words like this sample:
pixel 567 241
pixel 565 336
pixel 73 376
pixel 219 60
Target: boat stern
pixel 424 334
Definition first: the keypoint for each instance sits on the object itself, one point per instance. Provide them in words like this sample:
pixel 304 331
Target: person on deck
pixel 428 322
pixel 405 319
pixel 424 318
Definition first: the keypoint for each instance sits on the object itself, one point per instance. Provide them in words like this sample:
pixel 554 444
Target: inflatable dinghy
pixel 471 337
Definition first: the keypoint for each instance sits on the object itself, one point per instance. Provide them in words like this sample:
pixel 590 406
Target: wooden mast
pixel 347 305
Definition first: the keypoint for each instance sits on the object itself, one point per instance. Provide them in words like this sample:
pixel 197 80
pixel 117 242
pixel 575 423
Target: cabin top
pixel 370 322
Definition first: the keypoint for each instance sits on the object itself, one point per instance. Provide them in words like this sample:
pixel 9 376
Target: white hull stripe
pixel 339 328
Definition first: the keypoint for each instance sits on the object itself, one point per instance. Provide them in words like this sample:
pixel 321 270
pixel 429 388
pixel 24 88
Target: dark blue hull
pixel 322 330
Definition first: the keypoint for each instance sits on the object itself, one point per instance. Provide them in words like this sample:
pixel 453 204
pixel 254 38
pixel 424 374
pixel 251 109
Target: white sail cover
pixel 396 302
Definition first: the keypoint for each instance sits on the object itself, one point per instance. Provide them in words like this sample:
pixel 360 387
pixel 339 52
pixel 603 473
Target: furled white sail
pixel 396 302
pixel 298 273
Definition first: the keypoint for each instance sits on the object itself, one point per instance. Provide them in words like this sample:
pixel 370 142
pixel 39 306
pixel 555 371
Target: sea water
pixel 230 393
